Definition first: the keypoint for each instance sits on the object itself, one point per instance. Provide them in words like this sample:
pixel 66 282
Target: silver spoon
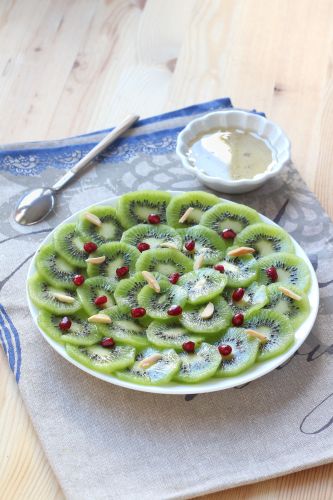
pixel 35 205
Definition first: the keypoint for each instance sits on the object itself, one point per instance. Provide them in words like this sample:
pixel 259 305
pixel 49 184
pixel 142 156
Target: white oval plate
pixel 213 384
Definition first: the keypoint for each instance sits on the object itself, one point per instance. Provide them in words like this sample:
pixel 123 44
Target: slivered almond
pixel 185 215
pixel 100 318
pixel 198 262
pixel 200 283
pixel 147 362
pixel 258 335
pixel 236 252
pixel 208 311
pixel 67 299
pixel 152 281
pixel 289 293
pixel 168 244
pixel 93 219
pixel 96 260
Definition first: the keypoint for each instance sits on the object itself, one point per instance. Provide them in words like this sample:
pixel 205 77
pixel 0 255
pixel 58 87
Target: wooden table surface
pixel 73 66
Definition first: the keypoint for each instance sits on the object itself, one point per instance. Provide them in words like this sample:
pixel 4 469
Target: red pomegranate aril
pixel 272 274
pixel 99 301
pixel 175 311
pixel 228 234
pixel 121 271
pixel 108 342
pixel 225 350
pixel 173 278
pixel 190 245
pixel 154 219
pixel 138 312
pixel 189 346
pixel 219 267
pixel 78 279
pixel 238 294
pixel 90 247
pixel 237 319
pixel 65 323
pixel 142 247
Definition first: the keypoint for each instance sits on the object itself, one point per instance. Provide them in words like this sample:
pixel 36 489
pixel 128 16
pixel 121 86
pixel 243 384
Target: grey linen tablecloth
pixel 105 442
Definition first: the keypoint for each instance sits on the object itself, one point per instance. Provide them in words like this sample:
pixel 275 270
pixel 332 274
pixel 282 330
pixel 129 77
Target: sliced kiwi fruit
pixel 243 355
pixel 103 359
pixel 296 310
pixel 124 329
pixel 154 235
pixel 42 295
pixel 55 269
pixel 203 284
pixel 275 326
pixel 117 255
pixel 291 270
pixel 240 271
pixel 127 290
pixel 265 239
pixel 134 208
pixel 111 228
pixel 255 297
pixel 170 335
pixel 157 372
pixel 198 200
pixel 200 365
pixel 207 243
pixel 158 304
pixel 68 242
pixel 80 333
pixel 165 261
pixel 219 320
pixel 93 288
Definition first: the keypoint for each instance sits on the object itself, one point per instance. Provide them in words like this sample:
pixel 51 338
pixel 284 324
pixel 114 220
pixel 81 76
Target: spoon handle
pixel 103 144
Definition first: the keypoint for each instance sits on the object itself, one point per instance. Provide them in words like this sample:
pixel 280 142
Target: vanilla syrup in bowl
pixel 232 154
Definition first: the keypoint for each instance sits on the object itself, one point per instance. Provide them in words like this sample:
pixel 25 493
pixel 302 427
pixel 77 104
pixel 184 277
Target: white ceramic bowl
pixel 229 119
pixel 211 385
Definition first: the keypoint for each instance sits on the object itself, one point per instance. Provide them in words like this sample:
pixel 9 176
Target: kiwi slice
pixel 198 200
pixel 296 310
pixel 265 239
pixel 154 235
pixel 124 329
pixel 111 228
pixel 159 372
pixel 55 269
pixel 200 365
pixel 243 355
pixel 93 288
pixel 255 297
pixel 117 255
pixel 80 333
pixel 291 270
pixel 103 359
pixel 240 271
pixel 207 243
pixel 170 335
pixel 165 261
pixel 158 304
pixel 134 208
pixel 203 285
pixel 126 292
pixel 68 242
pixel 220 319
pixel 275 326
pixel 42 295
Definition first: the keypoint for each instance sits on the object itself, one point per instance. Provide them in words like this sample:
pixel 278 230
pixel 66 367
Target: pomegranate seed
pixel 238 294
pixel 219 267
pixel 138 312
pixel 99 301
pixel 228 234
pixel 225 350
pixel 121 271
pixel 78 279
pixel 90 247
pixel 237 319
pixel 65 323
pixel 189 346
pixel 190 245
pixel 272 274
pixel 175 311
pixel 154 219
pixel 174 277
pixel 108 342
pixel 143 246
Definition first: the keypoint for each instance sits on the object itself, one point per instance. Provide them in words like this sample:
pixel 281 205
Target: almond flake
pixel 185 215
pixel 67 299
pixel 93 219
pixel 198 262
pixel 100 318
pixel 236 252
pixel 258 335
pixel 147 362
pixel 168 244
pixel 289 293
pixel 96 260
pixel 152 281
pixel 208 311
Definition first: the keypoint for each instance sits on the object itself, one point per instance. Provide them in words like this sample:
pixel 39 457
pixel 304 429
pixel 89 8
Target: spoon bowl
pixel 34 206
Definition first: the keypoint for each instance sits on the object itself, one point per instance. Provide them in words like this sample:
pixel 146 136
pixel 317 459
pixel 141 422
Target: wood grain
pixel 79 65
